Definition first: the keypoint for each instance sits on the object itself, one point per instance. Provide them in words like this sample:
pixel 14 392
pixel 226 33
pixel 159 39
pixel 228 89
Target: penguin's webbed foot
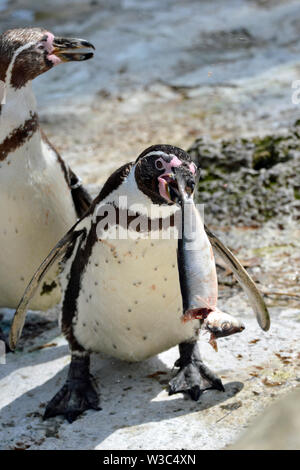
pixel 193 376
pixel 77 395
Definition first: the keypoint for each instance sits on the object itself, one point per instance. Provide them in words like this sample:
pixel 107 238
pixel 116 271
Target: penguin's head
pixel 156 169
pixel 27 53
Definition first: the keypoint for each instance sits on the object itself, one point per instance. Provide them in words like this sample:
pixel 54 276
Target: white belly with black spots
pixel 130 304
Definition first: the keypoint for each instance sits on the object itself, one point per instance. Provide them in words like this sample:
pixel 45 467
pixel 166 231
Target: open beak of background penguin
pixel 64 49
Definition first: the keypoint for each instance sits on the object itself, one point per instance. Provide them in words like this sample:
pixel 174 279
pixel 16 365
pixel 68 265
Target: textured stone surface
pixel 277 428
pixel 250 181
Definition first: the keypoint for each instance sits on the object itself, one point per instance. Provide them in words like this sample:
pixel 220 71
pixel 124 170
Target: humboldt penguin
pixel 40 196
pixel 120 281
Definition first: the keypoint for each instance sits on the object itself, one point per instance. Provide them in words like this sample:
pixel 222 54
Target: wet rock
pixel 250 181
pixel 277 428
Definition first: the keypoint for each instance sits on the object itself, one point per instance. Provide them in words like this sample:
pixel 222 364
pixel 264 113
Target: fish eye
pixel 225 325
pixel 159 164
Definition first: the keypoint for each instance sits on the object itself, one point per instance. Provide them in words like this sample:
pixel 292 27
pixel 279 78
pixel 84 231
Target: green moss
pixel 268 214
pixel 267 153
pixel 205 188
pixel 264 250
pixel 269 140
pixel 297 193
pixel 282 374
pixel 241 178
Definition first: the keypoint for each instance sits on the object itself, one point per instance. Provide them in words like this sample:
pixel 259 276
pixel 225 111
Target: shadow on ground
pixel 130 396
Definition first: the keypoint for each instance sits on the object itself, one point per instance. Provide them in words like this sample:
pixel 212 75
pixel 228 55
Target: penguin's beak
pixel 187 182
pixel 168 184
pixel 64 47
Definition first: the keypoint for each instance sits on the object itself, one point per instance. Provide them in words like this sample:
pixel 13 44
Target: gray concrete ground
pixel 137 413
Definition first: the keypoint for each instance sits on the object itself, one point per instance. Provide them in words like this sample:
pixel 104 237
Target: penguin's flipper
pixel 81 198
pixel 20 313
pixel 246 282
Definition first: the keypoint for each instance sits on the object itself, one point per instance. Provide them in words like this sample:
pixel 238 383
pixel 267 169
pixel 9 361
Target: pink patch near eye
pixel 49 48
pixel 193 168
pixel 175 162
pixel 54 59
pixel 49 42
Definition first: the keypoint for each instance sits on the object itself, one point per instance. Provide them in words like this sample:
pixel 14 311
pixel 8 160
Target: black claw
pixel 72 416
pixel 49 413
pixel 92 399
pixel 195 392
pixel 218 385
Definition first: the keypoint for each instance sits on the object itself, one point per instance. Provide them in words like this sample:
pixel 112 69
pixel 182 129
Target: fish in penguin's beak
pixel 64 48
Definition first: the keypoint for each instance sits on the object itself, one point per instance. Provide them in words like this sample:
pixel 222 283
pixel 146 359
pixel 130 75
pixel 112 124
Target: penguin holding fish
pixel 132 288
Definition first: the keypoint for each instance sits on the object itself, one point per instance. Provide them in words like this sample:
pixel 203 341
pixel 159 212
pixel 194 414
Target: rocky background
pixel 215 78
pixel 250 181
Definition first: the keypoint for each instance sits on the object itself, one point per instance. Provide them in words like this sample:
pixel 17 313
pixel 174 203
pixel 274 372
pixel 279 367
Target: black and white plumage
pixel 121 291
pixel 40 197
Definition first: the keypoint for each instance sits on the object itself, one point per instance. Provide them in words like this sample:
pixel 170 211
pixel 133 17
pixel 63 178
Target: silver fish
pixel 197 273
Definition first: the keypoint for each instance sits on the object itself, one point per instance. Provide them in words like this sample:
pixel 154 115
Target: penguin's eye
pixel 159 164
pixel 225 325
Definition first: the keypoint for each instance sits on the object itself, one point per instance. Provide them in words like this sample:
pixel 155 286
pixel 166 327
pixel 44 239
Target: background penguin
pixel 121 291
pixel 40 197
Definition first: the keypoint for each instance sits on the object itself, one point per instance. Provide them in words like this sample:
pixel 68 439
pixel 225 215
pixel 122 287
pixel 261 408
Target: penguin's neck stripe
pixel 160 153
pixel 19 136
pixel 8 75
